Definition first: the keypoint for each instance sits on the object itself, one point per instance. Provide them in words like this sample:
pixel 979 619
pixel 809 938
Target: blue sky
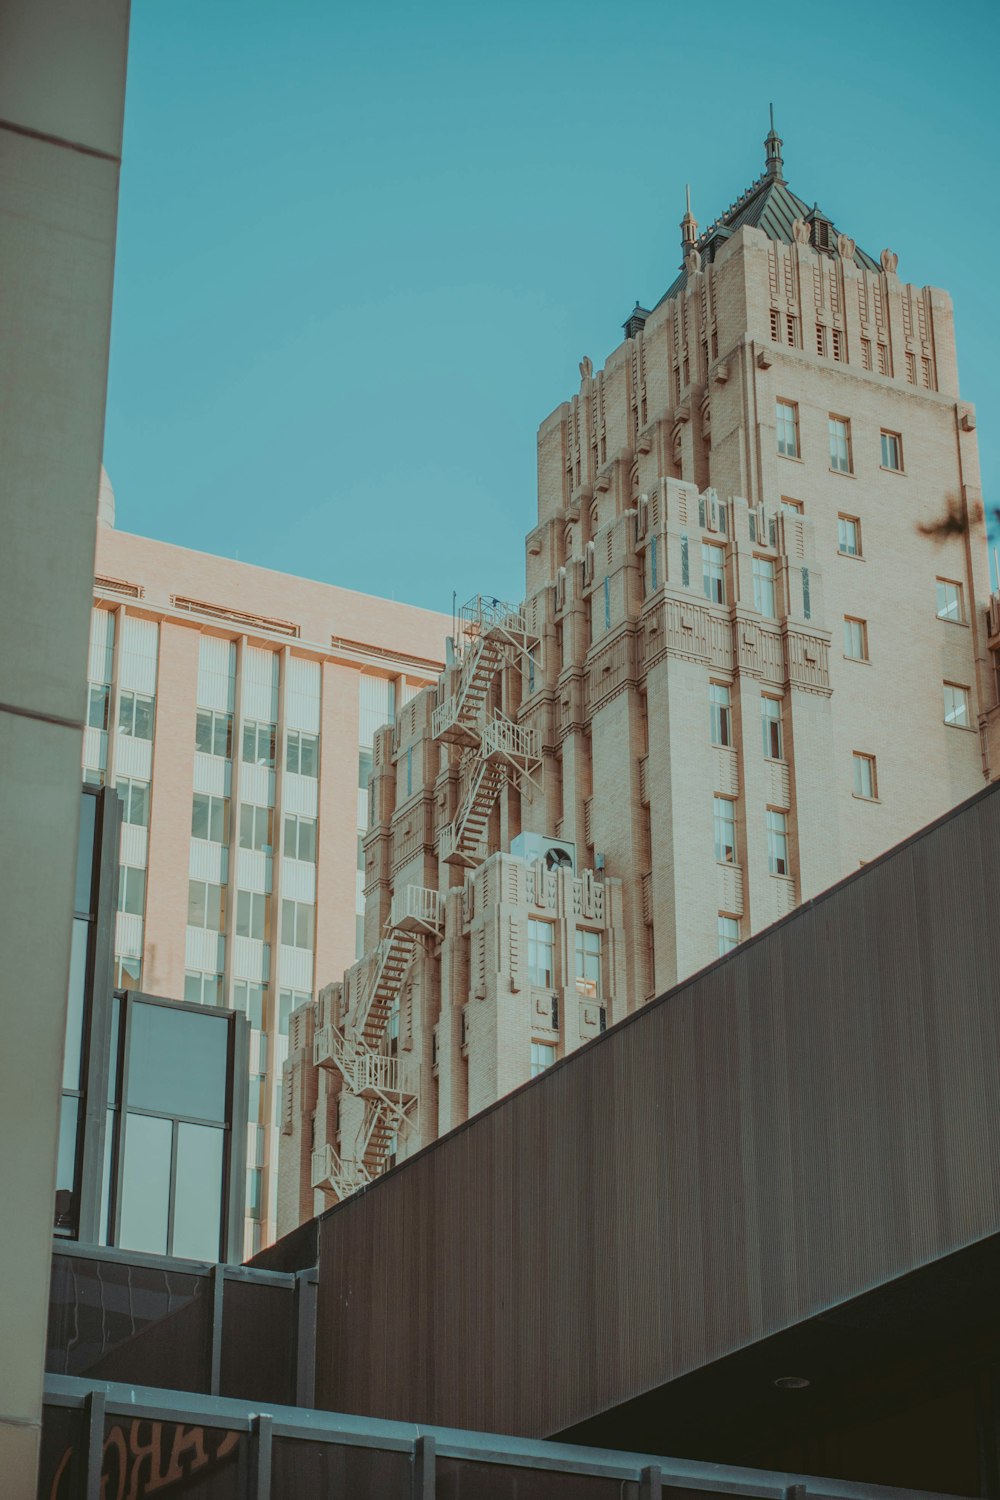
pixel 362 249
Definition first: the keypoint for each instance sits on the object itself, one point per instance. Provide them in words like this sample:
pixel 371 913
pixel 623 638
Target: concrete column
pixel 62 81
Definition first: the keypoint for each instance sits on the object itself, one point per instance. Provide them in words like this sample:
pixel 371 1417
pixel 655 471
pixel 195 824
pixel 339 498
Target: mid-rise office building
pixel 234 709
pixel 757 648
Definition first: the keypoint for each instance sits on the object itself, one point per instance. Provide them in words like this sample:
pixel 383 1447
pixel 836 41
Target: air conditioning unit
pixel 556 854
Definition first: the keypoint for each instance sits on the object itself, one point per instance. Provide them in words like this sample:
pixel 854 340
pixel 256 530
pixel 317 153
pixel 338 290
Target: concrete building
pixel 757 648
pixel 234 709
pixel 62 82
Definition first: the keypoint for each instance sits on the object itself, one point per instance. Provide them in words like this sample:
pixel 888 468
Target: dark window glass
pixel 462 1479
pixel 113 1070
pixel 177 1062
pixel 62 1461
pixel 129 1323
pixel 66 1164
pixel 198 1192
pixel 145 1183
pixel 97 706
pixel 76 1004
pixel 85 853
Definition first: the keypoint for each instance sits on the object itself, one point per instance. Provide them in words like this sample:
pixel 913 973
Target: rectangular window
pixel 607 602
pixel 98 696
pixel 653 580
pixel 213 733
pixel 775 326
pixel 132 890
pixel 409 766
pixel 258 743
pixel 720 713
pixel 135 715
pixel 135 801
pixel 892 451
pixel 713 572
pixel 202 989
pixel 251 915
pixel 543 1055
pixel 849 536
pixel 786 416
pixel 770 721
pixel 302 753
pixel 289 1000
pixel 864 776
pixel 777 842
pixel 840 445
pixel 541 953
pixel 837 339
pixel 210 818
pixel 256 828
pixel 949 601
pixel 956 705
pixel 763 587
pixel 298 925
pixel 300 838
pixel 728 929
pixel 685 566
pixel 364 769
pixel 855 639
pixel 249 998
pixel 725 830
pixel 588 963
pixel 791 507
pixel 820 339
pixel 206 905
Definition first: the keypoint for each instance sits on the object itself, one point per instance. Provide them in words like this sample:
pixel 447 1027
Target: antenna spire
pixel 689 225
pixel 773 164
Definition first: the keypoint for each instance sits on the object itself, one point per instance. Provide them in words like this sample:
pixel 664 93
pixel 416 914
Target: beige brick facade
pixel 749 659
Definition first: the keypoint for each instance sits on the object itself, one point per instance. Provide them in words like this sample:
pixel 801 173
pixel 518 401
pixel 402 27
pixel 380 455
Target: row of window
pixel 542 958
pixel 720 714
pixel 207 909
pixel 786 417
pixel 210 820
pixel 214 736
pixel 136 711
pixel 724 828
pixel 252 999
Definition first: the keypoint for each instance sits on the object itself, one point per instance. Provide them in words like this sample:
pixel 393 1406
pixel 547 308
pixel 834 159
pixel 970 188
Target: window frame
pixel 849 654
pixel 781 424
pixel 765 587
pixel 588 950
pixel 130 700
pixel 251 905
pixel 296 741
pixel 772 727
pixel 725 853
pixel 259 728
pixel 728 940
pixel 299 912
pixel 865 773
pixel 130 784
pixel 720 715
pixel 538 1065
pixel 253 808
pixel 212 799
pixel 855 522
pixel 950 583
pixel 539 946
pixel 216 719
pixel 206 886
pixel 894 437
pixel 777 842
pixel 713 570
pixel 300 822
pixel 840 463
pixel 966 702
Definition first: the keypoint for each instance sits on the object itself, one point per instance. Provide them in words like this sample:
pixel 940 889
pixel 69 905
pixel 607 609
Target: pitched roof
pixel 768 204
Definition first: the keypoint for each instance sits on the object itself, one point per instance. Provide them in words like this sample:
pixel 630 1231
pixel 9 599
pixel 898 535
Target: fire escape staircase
pixel 503 750
pixel 355 1052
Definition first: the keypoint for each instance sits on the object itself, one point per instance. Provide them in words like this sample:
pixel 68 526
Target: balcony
pixel 367 1074
pixel 332 1175
pixel 417 909
pixel 517 744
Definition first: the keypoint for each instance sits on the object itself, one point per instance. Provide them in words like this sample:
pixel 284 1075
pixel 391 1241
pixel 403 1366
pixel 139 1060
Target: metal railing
pixel 395 1460
pixel 501 736
pixel 419 905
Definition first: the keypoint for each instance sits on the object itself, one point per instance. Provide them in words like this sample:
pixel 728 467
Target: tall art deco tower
pixel 757 648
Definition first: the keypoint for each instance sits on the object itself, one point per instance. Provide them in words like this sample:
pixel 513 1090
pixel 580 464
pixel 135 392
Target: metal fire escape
pixel 497 749
pixel 357 1054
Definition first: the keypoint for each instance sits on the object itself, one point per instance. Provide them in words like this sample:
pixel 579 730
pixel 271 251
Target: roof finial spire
pixel 689 225
pixel 773 164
